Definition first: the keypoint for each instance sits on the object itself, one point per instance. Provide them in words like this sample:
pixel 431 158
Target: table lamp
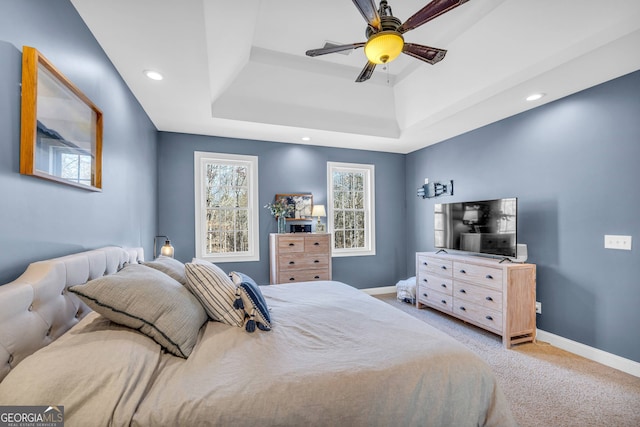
pixel 318 211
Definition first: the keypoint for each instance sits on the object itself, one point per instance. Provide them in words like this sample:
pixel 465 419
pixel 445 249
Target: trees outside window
pixel 226 198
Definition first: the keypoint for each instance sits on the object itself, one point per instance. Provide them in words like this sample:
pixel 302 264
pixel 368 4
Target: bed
pixel 333 356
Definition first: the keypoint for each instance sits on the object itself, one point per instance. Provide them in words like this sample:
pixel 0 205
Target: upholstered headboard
pixel 36 308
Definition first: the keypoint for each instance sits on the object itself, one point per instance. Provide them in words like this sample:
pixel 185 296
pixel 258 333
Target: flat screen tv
pixel 483 226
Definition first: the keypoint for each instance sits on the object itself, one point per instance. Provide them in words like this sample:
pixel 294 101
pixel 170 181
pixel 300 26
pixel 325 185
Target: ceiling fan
pixel 384 34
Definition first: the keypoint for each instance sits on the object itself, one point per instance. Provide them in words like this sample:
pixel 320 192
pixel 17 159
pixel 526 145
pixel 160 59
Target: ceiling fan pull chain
pixel 387 67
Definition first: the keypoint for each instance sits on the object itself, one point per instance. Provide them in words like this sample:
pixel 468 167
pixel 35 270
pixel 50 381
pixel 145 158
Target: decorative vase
pixel 282 224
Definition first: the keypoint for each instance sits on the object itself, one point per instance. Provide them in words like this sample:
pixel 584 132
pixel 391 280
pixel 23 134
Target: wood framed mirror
pixel 61 129
pixel 301 205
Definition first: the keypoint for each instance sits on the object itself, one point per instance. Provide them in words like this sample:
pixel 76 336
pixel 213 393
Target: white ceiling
pixel 238 68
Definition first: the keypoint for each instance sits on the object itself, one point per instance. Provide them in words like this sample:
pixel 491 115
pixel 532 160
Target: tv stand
pixel 500 298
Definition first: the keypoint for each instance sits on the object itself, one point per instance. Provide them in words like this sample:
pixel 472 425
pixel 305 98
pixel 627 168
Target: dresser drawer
pixel 480 274
pixel 435 299
pixel 441 267
pixel 305 262
pixel 437 283
pixel 303 275
pixel 483 316
pixel 479 295
pixel 316 243
pixel 291 244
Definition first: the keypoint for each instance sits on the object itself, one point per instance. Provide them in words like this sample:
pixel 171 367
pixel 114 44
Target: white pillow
pixel 215 291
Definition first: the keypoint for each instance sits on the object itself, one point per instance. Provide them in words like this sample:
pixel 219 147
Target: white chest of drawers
pixel 498 297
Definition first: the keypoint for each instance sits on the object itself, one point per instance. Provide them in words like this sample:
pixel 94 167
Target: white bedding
pixel 335 356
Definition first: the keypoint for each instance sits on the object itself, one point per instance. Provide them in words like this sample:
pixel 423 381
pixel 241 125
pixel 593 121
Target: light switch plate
pixel 617 242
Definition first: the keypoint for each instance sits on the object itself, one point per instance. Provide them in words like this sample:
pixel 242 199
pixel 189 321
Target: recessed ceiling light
pixel 153 75
pixel 535 96
pixel 306 138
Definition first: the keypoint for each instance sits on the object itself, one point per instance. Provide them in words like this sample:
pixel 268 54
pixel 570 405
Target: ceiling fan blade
pixel 429 12
pixel 369 12
pixel 333 49
pixel 366 72
pixel 424 53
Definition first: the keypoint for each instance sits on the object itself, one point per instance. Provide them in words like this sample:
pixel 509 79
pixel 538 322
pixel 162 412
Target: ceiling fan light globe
pixel 384 47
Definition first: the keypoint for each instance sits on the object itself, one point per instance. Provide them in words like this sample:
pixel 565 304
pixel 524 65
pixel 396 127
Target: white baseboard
pixel 380 291
pixel 591 353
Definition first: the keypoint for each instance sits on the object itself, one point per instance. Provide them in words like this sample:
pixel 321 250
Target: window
pixel 76 168
pixel 351 219
pixel 226 202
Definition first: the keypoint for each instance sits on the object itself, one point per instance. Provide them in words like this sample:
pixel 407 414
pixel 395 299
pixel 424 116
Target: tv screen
pixel 485 226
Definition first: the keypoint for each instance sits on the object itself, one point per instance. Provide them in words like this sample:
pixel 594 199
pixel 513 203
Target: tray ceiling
pixel 238 69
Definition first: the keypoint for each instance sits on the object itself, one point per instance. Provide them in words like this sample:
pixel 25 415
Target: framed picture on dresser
pixel 302 205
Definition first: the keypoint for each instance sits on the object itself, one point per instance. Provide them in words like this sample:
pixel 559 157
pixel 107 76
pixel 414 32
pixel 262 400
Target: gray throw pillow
pixel 169 266
pixel 151 302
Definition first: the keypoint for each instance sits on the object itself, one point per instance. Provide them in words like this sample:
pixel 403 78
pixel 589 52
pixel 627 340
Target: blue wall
pixel 286 168
pixel 574 165
pixel 40 219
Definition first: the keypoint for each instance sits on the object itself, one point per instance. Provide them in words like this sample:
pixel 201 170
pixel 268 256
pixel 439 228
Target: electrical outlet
pixel 538 307
pixel 617 242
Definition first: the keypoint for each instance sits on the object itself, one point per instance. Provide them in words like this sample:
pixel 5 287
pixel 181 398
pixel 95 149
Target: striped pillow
pixel 215 291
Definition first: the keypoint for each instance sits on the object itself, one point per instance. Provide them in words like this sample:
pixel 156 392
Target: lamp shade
pixel 318 210
pixel 166 249
pixel 470 216
pixel 384 47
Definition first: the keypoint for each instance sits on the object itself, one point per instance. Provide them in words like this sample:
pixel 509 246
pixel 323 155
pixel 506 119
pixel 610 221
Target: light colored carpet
pixel 545 386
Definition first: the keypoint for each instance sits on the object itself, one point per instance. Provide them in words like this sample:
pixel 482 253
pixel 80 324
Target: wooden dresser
pixel 498 297
pixel 299 257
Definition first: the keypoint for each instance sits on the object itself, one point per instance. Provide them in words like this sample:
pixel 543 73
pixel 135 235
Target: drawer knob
pixel 425 263
pixel 463 309
pixel 444 267
pixel 488 276
pixel 291 262
pixel 463 272
pixel 443 301
pixel 462 291
pixel 292 244
pixel 316 277
pixel 316 261
pixel 489 299
pixel 443 285
pixel 489 318
pixel 317 244
pixel 425 295
pixel 292 278
pixel 425 280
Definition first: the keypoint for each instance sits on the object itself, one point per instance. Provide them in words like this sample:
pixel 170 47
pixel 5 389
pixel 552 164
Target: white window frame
pixel 369 207
pixel 201 159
